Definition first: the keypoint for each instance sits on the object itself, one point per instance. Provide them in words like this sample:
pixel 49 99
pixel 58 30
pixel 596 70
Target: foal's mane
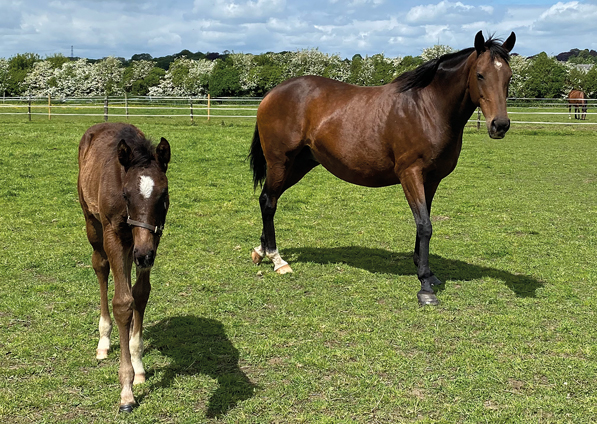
pixel 143 149
pixel 422 76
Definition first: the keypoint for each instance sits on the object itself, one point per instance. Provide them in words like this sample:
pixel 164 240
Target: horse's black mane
pixel 143 149
pixel 423 75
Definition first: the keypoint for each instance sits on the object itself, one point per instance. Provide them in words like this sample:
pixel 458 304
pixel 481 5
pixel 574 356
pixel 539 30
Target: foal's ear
pixel 125 154
pixel 509 43
pixel 479 42
pixel 162 153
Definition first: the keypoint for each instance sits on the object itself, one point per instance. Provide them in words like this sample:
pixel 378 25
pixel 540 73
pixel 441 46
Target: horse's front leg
pixel 141 291
pixel 120 258
pixel 416 195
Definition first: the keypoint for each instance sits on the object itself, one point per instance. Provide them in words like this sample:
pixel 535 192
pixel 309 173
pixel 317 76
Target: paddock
pixel 341 339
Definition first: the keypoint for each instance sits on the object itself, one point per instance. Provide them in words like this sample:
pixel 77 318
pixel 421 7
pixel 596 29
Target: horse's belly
pixel 369 174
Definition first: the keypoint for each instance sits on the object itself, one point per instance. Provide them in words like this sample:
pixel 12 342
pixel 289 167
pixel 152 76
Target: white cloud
pixel 230 9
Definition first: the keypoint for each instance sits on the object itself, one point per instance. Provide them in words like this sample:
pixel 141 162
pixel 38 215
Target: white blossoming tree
pixel 435 52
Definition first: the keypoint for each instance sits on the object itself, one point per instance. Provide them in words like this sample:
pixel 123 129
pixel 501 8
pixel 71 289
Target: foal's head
pixel 145 191
pixel 488 82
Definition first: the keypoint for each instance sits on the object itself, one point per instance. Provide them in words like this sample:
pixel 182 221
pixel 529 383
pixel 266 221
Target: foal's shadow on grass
pixel 385 261
pixel 200 346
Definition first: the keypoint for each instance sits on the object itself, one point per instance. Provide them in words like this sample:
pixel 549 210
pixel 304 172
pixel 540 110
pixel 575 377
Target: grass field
pixel 342 340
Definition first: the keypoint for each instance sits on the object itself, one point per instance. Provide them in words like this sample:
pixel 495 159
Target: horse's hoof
pixel 126 408
pixel 256 257
pixel 139 379
pixel 427 299
pixel 101 354
pixel 284 269
pixel 434 281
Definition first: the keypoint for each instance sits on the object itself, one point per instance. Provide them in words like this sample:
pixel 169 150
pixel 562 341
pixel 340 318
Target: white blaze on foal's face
pixel 146 186
pixel 498 64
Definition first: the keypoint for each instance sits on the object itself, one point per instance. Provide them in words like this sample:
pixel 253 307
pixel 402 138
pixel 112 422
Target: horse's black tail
pixel 257 160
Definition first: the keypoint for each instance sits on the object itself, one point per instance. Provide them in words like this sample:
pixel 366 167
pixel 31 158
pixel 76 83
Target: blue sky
pixel 100 28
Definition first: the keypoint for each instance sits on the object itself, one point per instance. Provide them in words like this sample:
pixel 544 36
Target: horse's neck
pixel 451 87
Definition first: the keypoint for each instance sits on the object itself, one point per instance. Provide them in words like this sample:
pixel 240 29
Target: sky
pixel 99 28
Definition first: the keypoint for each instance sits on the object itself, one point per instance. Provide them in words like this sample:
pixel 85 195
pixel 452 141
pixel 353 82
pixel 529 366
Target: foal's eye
pixel 480 77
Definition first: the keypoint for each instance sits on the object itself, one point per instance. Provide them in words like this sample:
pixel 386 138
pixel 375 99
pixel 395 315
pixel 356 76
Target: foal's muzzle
pixel 499 127
pixel 144 258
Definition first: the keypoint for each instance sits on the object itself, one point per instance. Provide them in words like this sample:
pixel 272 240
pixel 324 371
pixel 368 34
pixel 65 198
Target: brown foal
pixel 123 191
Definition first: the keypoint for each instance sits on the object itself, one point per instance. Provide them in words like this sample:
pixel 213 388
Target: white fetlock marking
pixel 277 260
pixel 259 251
pixel 105 329
pixel 136 348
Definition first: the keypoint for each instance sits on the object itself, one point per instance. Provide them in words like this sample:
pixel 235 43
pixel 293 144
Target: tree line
pixel 237 74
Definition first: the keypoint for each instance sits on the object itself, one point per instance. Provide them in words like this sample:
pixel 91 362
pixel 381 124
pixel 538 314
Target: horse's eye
pixel 480 77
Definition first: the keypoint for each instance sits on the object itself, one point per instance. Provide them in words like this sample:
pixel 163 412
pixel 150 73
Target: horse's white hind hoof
pixel 284 269
pixel 256 257
pixel 101 354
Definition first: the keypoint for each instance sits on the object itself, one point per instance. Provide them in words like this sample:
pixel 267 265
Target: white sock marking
pixel 146 186
pixel 136 348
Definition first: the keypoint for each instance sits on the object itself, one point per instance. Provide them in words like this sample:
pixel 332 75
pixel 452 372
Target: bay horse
pixel 406 132
pixel 123 191
pixel 578 99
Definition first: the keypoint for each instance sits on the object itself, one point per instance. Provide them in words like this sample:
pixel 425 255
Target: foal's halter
pixel 156 229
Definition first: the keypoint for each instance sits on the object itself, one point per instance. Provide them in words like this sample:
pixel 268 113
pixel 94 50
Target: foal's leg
pixel 279 179
pixel 414 189
pixel 141 291
pixel 120 257
pixel 101 266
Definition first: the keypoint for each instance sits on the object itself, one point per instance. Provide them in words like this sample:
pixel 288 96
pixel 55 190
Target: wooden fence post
pixel 106 109
pixel 208 104
pixel 49 107
pixel 29 108
pixel 191 106
pixel 126 106
pixel 478 119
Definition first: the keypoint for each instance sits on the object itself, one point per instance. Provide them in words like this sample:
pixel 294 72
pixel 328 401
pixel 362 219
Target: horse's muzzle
pixel 499 127
pixel 144 259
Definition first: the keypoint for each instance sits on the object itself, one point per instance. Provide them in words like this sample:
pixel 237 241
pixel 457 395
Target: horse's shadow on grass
pixel 200 346
pixel 385 261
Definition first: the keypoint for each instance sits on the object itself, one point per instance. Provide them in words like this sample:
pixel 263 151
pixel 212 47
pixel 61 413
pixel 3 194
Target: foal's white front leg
pixel 136 348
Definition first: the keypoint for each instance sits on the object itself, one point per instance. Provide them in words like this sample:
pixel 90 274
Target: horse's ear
pixel 479 42
pixel 125 154
pixel 162 153
pixel 509 43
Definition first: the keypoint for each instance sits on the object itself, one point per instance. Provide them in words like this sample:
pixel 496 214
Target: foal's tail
pixel 257 160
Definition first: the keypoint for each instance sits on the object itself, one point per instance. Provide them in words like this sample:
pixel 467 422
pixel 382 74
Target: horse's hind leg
pixel 101 266
pixel 278 180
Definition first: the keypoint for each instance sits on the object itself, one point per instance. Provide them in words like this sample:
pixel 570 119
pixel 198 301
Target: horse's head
pixel 145 191
pixel 488 82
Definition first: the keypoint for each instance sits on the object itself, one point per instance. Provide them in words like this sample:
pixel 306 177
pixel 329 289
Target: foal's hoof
pixel 139 379
pixel 427 299
pixel 256 257
pixel 284 269
pixel 101 354
pixel 126 408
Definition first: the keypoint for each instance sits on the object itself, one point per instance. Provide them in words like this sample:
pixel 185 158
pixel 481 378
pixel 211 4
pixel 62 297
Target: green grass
pixel 341 340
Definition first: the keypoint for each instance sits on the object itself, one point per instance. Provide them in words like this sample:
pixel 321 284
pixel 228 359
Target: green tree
pixel 590 82
pixel 224 79
pixel 18 67
pixel 547 78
